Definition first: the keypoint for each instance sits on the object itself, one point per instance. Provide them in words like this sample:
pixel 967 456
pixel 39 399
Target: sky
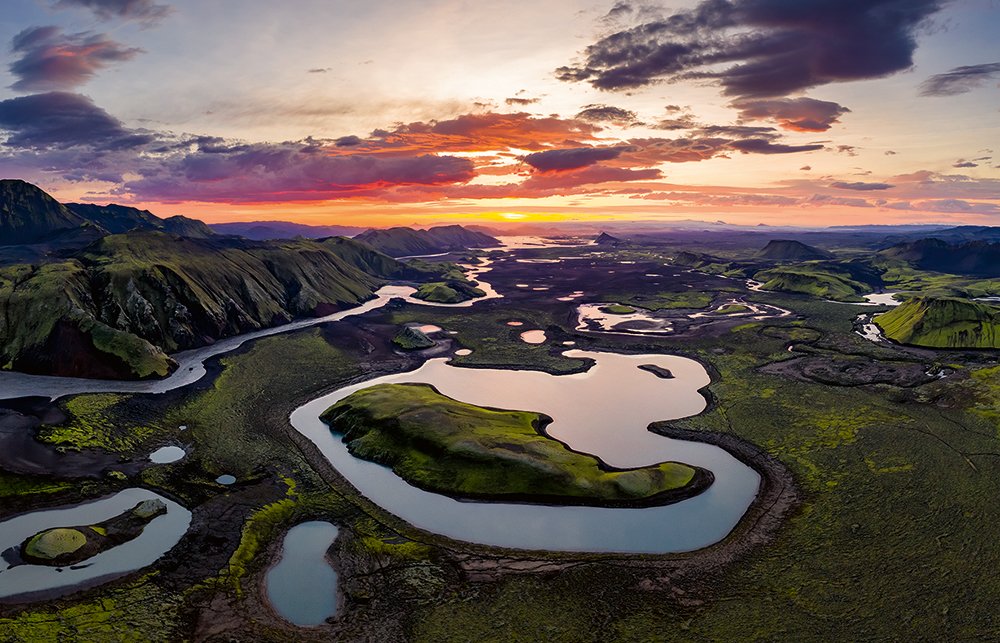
pixel 399 112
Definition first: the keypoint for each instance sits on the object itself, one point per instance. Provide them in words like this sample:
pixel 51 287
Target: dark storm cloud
pixel 964 163
pixel 959 80
pixel 606 114
pixel 771 47
pixel 50 59
pixel 62 120
pixel 146 11
pixel 860 186
pixel 797 114
pixel 572 158
pixel 521 102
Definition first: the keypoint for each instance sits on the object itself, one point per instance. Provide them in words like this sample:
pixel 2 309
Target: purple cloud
pixel 58 120
pixel 860 186
pixel 772 47
pixel 146 11
pixel 571 158
pixel 959 80
pixel 50 59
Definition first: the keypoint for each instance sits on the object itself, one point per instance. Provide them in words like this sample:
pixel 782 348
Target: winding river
pixel 158 537
pixel 622 400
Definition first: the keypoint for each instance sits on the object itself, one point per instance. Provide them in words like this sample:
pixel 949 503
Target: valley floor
pixel 884 529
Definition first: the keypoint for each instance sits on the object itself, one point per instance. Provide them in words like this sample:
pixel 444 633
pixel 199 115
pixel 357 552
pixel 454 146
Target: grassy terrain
pixel 807 280
pixel 410 339
pixel 892 541
pixel 93 423
pixel 617 309
pixel 451 447
pixel 450 292
pixel 942 323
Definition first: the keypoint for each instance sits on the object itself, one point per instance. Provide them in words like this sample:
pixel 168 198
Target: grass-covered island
pixel 448 292
pixel 62 546
pixel 617 309
pixel 467 451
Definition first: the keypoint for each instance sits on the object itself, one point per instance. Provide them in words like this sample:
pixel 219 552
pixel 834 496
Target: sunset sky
pixel 803 112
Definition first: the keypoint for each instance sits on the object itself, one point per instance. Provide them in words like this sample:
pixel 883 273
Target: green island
pixel 448 292
pixel 62 546
pixel 617 309
pixel 467 451
pixel 412 339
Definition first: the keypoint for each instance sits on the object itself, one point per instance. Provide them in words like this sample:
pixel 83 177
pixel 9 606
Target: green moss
pixel 410 338
pixel 12 484
pixel 617 309
pixel 664 300
pixel 53 543
pixel 451 292
pixel 810 280
pixel 942 323
pixel 448 446
pixel 93 423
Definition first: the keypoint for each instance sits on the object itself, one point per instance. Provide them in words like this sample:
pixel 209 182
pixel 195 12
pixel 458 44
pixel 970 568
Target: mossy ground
pixel 892 539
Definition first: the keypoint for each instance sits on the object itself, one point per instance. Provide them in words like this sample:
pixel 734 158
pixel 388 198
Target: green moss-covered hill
pixel 448 292
pixel 942 323
pixel 467 451
pixel 812 280
pixel 405 242
pixel 116 308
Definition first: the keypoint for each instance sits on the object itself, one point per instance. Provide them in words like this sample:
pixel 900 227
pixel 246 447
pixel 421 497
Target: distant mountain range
pixel 408 242
pixel 974 258
pixel 28 215
pixel 266 230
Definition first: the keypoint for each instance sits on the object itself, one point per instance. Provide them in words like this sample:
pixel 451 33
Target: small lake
pixel 302 585
pixel 623 401
pixel 639 322
pixel 166 455
pixel 533 337
pixel 159 536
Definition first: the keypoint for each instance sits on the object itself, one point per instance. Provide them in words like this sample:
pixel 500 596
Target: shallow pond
pixel 161 534
pixel 640 321
pixel 302 586
pixel 624 401
pixel 166 455
pixel 533 337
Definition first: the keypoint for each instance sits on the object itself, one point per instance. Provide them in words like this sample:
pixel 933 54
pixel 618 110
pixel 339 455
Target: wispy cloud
pixel 959 80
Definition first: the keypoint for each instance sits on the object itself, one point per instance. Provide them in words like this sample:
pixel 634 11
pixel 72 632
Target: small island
pixel 412 339
pixel 448 292
pixel 659 371
pixel 466 451
pixel 62 546
pixel 617 309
